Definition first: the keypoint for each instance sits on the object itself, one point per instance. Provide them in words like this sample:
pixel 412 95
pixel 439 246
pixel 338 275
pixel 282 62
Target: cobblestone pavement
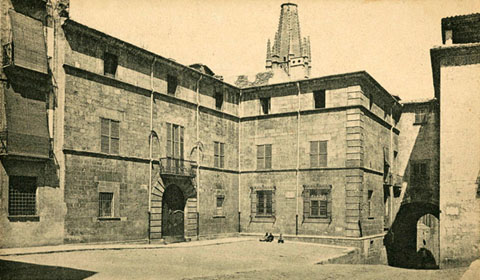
pixel 245 259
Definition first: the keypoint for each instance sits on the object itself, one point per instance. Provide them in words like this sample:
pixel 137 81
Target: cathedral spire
pixel 289 53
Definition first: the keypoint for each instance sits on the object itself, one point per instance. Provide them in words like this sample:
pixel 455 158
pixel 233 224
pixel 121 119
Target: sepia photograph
pixel 214 140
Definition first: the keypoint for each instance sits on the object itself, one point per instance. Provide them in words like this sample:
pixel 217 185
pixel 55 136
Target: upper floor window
pixel 264 156
pixel 219 154
pixel 172 84
pixel 110 63
pixel 318 153
pixel 22 196
pixel 370 204
pixel 174 141
pixel 319 98
pixel 421 115
pixel 110 136
pixel 218 100
pixel 265 104
pixel 419 173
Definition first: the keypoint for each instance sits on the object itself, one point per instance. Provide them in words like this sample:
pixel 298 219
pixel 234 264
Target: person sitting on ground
pixel 265 238
pixel 280 239
pixel 270 237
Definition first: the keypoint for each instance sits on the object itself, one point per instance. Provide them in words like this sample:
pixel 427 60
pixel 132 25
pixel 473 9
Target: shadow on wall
pixel 21 270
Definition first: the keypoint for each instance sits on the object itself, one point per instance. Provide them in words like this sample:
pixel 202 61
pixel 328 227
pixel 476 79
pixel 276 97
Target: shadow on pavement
pixel 21 270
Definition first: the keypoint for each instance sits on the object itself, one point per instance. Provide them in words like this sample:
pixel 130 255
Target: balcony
pixel 177 167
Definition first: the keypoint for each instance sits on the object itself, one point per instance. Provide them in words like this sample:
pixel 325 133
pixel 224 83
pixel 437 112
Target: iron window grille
pixel 317 203
pixel 22 199
pixel 105 204
pixel 110 136
pixel 264 203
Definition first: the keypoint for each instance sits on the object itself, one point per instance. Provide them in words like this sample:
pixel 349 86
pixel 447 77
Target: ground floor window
pixel 263 203
pixel 317 202
pixel 220 199
pixel 22 200
pixel 105 204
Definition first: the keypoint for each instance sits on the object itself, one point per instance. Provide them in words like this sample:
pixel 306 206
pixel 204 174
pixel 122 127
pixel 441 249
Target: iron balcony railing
pixel 174 166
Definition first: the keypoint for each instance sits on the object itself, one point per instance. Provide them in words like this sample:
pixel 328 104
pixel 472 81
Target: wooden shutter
pixel 222 155
pixel 253 203
pixel 268 156
pixel 169 140
pixel 216 154
pixel 114 137
pixel 181 142
pixel 306 204
pixel 329 204
pixel 260 157
pixel 105 136
pixel 322 150
pixel 313 153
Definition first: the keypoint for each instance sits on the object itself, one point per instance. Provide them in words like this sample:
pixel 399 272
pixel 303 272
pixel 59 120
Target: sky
pixel 390 39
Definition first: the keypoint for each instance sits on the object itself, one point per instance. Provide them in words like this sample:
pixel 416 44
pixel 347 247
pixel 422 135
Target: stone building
pixel 456 72
pixel 105 141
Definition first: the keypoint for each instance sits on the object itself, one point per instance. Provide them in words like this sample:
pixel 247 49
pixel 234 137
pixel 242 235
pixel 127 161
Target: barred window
pixel 264 156
pixel 110 136
pixel 105 204
pixel 317 202
pixel 264 203
pixel 318 153
pixel 22 196
pixel 219 154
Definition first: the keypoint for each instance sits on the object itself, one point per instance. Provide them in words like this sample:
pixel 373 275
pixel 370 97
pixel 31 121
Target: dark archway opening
pixel 403 248
pixel 173 205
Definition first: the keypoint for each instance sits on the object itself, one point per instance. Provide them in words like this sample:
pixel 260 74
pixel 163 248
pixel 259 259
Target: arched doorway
pixel 173 205
pixel 402 244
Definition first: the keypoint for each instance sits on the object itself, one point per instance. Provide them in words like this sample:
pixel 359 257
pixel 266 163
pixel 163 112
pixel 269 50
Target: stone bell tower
pixel 289 53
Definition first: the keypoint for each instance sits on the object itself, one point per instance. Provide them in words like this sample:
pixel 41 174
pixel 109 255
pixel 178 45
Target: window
pixel 370 204
pixel 318 153
pixel 110 63
pixel 110 136
pixel 172 84
pixel 220 199
pixel 316 202
pixel 174 146
pixel 105 204
pixel 265 104
pixel 219 154
pixel 419 173
pixel 264 156
pixel 420 116
pixel 218 100
pixel 264 203
pixel 319 98
pixel 22 196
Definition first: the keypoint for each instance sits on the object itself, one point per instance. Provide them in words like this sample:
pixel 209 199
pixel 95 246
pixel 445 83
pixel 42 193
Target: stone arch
pixel 401 239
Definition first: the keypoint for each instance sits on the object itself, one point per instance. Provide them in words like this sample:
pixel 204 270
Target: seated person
pixel 280 239
pixel 265 238
pixel 270 237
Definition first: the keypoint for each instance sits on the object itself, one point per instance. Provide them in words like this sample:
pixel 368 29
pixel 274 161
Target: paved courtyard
pixel 243 259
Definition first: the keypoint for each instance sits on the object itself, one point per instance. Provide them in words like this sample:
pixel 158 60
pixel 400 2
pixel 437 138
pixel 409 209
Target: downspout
pixel 198 155
pixel 239 162
pixel 297 170
pixel 390 187
pixel 150 183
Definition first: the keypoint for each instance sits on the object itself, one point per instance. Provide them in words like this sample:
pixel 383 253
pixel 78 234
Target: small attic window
pixel 265 104
pixel 110 63
pixel 319 98
pixel 218 100
pixel 172 84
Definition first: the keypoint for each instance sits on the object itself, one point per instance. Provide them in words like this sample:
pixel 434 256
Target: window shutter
pixel 181 142
pixel 253 201
pixel 306 204
pixel 115 129
pixel 169 140
pixel 260 157
pixel 329 204
pixel 222 155
pixel 268 156
pixel 322 153
pixel 273 202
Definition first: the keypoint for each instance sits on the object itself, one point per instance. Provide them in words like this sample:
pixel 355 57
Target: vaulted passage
pixel 404 249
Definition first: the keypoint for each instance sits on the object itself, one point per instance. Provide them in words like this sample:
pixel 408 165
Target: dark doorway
pixel 173 204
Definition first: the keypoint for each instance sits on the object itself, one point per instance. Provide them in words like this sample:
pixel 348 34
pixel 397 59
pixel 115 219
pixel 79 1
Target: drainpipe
pixel 390 187
pixel 297 171
pixel 198 155
pixel 239 163
pixel 151 150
